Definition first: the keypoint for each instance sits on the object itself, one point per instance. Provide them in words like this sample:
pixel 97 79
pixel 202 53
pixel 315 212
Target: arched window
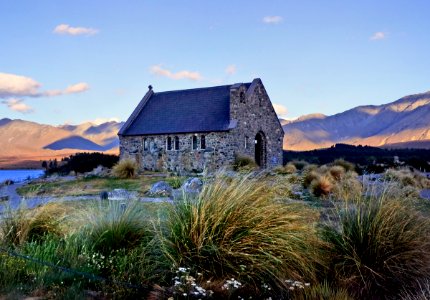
pixel 169 143
pixel 176 143
pixel 145 144
pixel 194 142
pixel 202 142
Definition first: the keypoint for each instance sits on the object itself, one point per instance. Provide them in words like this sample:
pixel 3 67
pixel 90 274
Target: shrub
pixel 236 229
pixel 321 186
pixel 126 168
pixel 244 163
pixel 381 246
pixel 113 226
pixel 24 225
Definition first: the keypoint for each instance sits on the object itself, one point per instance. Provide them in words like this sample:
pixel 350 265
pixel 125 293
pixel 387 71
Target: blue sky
pixel 75 61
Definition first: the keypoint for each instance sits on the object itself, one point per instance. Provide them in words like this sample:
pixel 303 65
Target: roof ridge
pixel 200 88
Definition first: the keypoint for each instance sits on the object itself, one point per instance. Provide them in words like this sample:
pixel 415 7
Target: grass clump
pixel 126 168
pixel 22 225
pixel 348 166
pixel 244 163
pixel 236 229
pixel 380 246
pixel 321 186
pixel 112 226
pixel 285 170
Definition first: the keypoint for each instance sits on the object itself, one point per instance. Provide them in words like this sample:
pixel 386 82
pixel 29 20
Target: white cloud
pixel 272 19
pixel 67 29
pixel 192 75
pixel 280 109
pixel 18 105
pixel 231 69
pixel 15 85
pixel 77 88
pixel 378 36
pixel 12 85
pixel 99 121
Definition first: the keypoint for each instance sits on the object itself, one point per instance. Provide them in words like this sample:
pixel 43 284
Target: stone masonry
pixel 256 129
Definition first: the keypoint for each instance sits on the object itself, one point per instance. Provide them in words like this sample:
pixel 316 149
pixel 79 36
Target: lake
pixel 20 175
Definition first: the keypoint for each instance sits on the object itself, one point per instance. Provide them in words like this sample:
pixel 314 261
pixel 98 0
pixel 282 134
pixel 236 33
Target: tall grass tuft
pixel 110 226
pixel 235 228
pixel 321 186
pixel 25 225
pixel 380 246
pixel 126 168
pixel 244 163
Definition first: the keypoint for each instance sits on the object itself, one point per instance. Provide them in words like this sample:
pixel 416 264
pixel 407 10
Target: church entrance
pixel 260 149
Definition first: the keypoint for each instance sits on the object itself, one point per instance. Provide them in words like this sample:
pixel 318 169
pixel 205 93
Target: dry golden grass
pixel 236 228
pixel 125 168
pixel 321 186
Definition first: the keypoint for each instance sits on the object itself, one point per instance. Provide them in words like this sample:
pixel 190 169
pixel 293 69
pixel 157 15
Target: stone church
pixel 200 129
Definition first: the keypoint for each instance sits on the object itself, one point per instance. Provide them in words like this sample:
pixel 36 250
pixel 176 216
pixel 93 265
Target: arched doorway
pixel 260 149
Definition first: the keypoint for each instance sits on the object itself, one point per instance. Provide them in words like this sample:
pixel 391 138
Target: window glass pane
pixel 202 142
pixel 169 143
pixel 194 142
pixel 176 143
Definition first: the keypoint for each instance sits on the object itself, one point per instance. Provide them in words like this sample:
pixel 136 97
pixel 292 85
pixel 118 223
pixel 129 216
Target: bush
pixel 236 229
pixel 126 168
pixel 381 246
pixel 321 186
pixel 175 182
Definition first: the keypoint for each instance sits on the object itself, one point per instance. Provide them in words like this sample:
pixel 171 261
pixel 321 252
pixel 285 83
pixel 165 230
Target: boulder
pixel 192 185
pixel 121 194
pixel 161 188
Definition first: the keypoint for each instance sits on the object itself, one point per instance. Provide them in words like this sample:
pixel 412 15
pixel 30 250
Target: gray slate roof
pixel 183 111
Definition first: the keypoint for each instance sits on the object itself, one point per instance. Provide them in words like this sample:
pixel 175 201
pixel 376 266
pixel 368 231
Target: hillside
pixel 24 141
pixel 401 123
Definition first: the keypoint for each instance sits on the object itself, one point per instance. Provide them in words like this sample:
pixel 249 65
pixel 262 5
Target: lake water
pixel 20 175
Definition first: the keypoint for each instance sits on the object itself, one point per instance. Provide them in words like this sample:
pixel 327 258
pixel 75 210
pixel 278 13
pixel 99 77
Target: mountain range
pixel 402 123
pixel 23 142
pixel 399 124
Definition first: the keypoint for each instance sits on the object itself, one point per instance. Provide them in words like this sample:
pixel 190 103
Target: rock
pixel 8 182
pixel 192 185
pixel 121 194
pixel 104 195
pixel 161 188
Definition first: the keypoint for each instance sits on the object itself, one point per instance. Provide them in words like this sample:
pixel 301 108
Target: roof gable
pixel 182 111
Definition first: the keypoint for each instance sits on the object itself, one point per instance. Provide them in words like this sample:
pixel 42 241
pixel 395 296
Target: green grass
pixel 86 186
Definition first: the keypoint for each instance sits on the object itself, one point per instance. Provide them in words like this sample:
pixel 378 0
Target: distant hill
pixel 403 123
pixel 29 141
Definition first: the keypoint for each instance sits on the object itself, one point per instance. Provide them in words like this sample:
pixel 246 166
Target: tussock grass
pixel 406 178
pixel 23 225
pixel 112 225
pixel 235 228
pixel 244 163
pixel 380 246
pixel 321 186
pixel 125 168
pixel 285 170
pixel 321 291
pixel 348 166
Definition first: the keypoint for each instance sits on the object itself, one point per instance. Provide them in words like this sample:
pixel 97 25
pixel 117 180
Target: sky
pixel 68 62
